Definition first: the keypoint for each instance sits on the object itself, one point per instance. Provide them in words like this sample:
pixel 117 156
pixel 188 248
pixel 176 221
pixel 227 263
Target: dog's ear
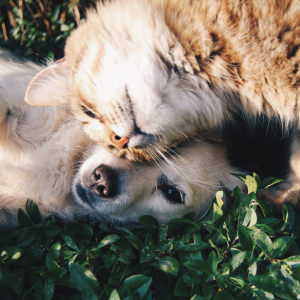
pixel 50 86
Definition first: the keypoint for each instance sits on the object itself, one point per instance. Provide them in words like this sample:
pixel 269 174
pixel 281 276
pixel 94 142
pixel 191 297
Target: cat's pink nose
pixel 120 142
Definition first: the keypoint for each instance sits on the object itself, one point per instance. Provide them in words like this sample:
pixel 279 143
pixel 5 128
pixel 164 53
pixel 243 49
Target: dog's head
pixel 121 190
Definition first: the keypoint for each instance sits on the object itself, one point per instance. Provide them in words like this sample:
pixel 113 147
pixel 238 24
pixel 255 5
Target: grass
pixel 243 253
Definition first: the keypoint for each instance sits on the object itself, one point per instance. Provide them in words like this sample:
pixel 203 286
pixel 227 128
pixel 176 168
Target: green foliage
pixel 38 29
pixel 243 253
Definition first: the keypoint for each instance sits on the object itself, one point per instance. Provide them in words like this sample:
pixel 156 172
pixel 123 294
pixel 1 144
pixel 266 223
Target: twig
pixel 44 17
pixel 32 15
pixel 42 8
pixel 22 16
pixel 11 17
pixel 12 4
pixel 234 241
pixel 4 29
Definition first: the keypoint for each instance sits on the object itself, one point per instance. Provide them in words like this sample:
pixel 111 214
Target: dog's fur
pixel 42 150
pixel 38 147
pixel 159 71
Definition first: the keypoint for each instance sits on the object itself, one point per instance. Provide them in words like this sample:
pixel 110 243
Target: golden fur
pixel 160 71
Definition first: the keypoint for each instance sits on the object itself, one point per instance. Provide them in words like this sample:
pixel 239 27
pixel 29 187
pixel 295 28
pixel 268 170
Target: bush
pixel 38 29
pixel 243 253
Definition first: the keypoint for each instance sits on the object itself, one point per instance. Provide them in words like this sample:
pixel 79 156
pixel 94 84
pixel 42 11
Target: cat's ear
pixel 50 86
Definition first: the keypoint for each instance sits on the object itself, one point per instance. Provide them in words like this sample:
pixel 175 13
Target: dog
pixel 46 156
pixel 44 150
pixel 39 148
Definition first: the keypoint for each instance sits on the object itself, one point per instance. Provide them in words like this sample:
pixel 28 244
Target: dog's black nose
pixel 104 182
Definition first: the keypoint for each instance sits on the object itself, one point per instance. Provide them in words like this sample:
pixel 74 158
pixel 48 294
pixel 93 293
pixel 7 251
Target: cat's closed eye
pixel 90 114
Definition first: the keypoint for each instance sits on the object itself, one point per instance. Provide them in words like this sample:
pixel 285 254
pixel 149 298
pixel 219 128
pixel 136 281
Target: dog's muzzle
pixel 101 185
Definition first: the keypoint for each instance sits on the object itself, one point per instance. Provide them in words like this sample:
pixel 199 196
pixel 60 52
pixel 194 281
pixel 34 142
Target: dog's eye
pixel 88 112
pixel 172 194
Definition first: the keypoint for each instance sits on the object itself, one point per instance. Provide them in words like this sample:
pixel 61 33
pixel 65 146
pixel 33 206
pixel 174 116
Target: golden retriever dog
pixel 44 150
pixel 46 156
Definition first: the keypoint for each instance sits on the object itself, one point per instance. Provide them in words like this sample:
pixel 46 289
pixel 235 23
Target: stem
pixel 234 241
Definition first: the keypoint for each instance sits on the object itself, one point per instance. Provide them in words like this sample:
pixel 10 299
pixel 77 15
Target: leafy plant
pixel 38 29
pixel 243 253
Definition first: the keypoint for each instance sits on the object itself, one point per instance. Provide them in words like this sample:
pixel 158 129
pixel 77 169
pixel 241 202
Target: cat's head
pixel 129 82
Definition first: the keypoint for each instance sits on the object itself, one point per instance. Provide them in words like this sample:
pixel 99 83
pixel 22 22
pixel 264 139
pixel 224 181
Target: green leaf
pixel 33 211
pixel 136 283
pixel 50 230
pixel 69 241
pixel 217 213
pixel 213 262
pixel 10 252
pixel 199 265
pixel 48 289
pixel 269 221
pixel 219 196
pixel 281 245
pixel 263 227
pixel 237 281
pixel 17 281
pixel 206 223
pixel 184 221
pixel 147 253
pixel 221 280
pixel 288 218
pixel 267 182
pixel 251 184
pixel 149 221
pixel 266 208
pixel 261 295
pixel 207 290
pixel 26 237
pixel 237 260
pixel 168 265
pixel 272 285
pixel 23 218
pixel 84 278
pixel 55 13
pixel 252 269
pixel 245 238
pixel 114 295
pixel 180 289
pixel 222 295
pixel 245 211
pixel 197 297
pixel 109 258
pixel 262 240
pixel 108 240
pixel 135 241
pixel 185 245
pixel 293 261
pixel 88 293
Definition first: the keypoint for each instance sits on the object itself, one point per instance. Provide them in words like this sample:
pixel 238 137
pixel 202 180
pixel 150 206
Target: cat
pixel 142 76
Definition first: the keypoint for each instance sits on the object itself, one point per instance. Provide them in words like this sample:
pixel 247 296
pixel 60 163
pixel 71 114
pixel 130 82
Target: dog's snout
pixel 120 142
pixel 104 182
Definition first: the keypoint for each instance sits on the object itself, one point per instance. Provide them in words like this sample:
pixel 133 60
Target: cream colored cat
pixel 142 76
